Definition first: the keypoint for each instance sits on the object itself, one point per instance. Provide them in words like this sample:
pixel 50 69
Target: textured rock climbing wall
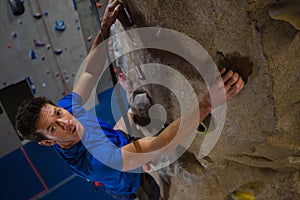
pixel 258 154
pixel 47 70
pixel 21 57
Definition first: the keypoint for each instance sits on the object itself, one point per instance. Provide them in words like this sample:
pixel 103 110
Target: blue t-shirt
pixel 97 157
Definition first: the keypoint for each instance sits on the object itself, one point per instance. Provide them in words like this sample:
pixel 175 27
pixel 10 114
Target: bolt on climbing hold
pixel 125 82
pixel 99 5
pixel 37 15
pixel 207 124
pixel 30 82
pixel 14 34
pixel 243 195
pixel 60 25
pixel 58 51
pixel 48 46
pixel 8 45
pixel 287 10
pixel 17 7
pixel 45 13
pixel 89 38
pixel 32 54
pixel 38 43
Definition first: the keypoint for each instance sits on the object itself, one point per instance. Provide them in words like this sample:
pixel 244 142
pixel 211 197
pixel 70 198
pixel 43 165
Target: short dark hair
pixel 27 117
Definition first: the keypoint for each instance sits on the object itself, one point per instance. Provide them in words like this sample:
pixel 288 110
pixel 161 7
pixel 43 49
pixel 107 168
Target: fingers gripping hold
pixel 232 80
pixel 227 76
pixel 234 85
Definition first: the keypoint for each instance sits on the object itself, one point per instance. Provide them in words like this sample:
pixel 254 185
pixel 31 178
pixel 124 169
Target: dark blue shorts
pixel 148 188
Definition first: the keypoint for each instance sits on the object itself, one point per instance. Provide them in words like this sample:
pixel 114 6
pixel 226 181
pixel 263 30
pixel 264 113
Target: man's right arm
pixel 96 58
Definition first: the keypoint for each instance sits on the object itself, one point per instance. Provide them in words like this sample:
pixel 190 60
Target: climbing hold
pixel 20 21
pixel 58 51
pixel 8 45
pixel 89 38
pixel 99 5
pixel 287 10
pixel 48 46
pixel 31 85
pixel 57 74
pixel 243 195
pixel 207 123
pixel 17 7
pixel 60 25
pixel 43 84
pixel 78 27
pixel 125 82
pixel 37 15
pixel 140 103
pixel 32 54
pixel 76 20
pixel 43 58
pixel 67 80
pixel 45 13
pixel 14 34
pixel 38 43
pixel 116 70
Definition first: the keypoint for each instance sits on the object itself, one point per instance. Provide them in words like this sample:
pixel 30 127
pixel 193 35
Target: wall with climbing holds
pixel 43 46
pixel 257 155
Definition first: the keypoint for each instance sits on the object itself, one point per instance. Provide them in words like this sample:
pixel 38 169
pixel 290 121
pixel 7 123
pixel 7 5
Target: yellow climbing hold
pixel 243 195
pixel 287 10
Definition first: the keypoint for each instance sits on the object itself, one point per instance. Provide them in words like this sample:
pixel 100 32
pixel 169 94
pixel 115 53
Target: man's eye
pixel 53 129
pixel 59 113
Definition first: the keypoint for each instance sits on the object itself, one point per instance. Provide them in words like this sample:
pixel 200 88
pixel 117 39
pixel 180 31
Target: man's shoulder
pixel 69 100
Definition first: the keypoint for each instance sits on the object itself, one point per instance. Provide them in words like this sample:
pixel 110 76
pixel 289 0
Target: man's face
pixel 59 126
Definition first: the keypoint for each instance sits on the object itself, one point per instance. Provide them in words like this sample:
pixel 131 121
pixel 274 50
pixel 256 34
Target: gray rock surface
pixel 258 153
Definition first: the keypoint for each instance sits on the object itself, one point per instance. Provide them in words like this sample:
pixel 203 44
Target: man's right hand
pixel 96 59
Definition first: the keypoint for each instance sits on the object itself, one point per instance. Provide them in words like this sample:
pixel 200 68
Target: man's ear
pixel 46 142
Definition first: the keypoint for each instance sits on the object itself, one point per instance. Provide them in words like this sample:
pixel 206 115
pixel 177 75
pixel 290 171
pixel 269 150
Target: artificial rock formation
pixel 258 153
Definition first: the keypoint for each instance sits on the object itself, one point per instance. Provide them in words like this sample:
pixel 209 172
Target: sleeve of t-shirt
pixel 70 101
